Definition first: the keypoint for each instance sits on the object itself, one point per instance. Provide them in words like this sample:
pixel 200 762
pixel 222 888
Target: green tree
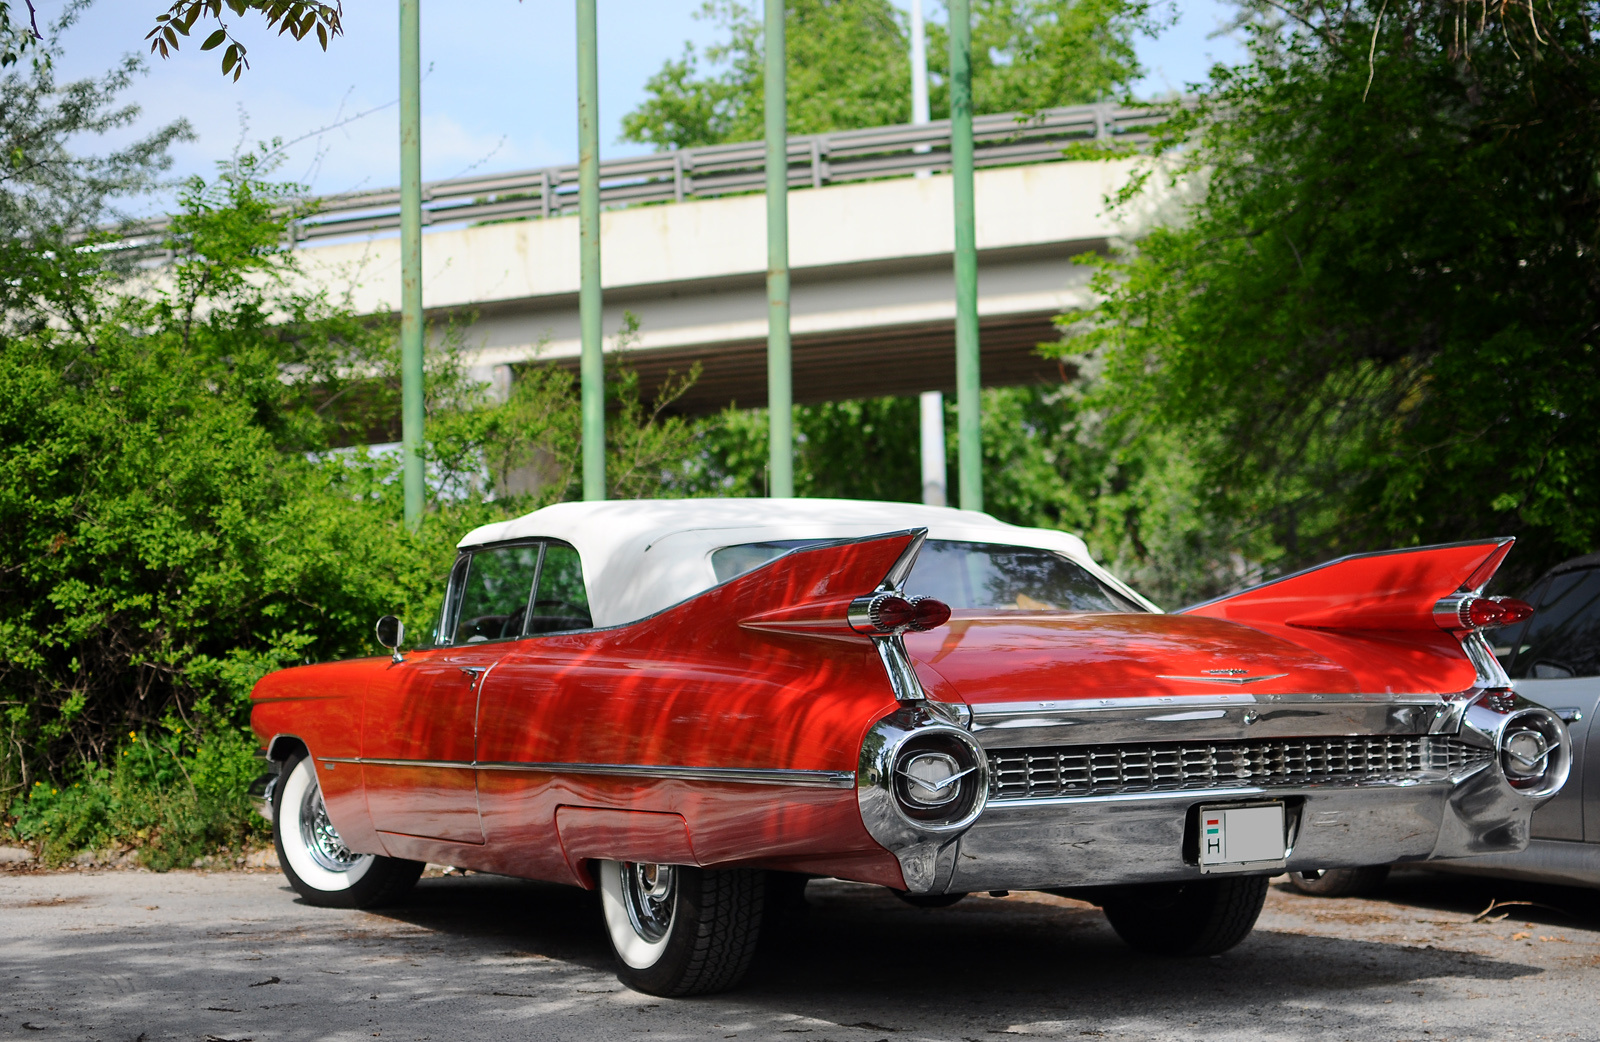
pixel 49 188
pixel 295 18
pixel 1037 54
pixel 1374 323
pixel 848 66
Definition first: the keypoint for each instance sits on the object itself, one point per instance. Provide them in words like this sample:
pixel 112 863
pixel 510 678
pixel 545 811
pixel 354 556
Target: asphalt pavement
pixel 125 956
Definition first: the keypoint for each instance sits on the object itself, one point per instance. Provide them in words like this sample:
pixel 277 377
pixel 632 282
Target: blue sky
pixel 500 94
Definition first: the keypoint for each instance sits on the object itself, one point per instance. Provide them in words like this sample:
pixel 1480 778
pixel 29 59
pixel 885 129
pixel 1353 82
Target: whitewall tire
pixel 315 859
pixel 680 930
pixel 640 902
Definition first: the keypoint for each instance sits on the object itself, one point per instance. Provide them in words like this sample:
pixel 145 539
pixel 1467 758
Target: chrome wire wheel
pixel 317 860
pixel 650 893
pixel 640 903
pixel 321 839
pixel 308 844
pixel 681 929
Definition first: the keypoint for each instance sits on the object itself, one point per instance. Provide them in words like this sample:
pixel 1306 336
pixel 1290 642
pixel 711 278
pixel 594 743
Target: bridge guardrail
pixel 1002 139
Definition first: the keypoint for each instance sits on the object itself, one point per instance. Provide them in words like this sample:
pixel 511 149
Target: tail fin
pixel 1392 590
pixel 809 591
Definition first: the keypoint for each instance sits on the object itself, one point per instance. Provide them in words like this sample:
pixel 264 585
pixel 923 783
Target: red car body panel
pixel 515 769
pixel 687 687
pixel 1373 592
pixel 321 706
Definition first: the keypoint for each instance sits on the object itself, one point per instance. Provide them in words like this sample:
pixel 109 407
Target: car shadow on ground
pixel 993 964
pixel 1540 903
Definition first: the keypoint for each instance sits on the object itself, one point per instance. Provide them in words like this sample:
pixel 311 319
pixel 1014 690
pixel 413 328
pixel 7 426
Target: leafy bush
pixel 173 800
pixel 188 507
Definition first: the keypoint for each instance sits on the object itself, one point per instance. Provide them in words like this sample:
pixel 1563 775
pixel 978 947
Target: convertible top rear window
pixel 988 576
pixel 732 561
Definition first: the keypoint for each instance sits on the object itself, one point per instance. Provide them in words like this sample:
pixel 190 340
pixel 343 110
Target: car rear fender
pixel 1422 591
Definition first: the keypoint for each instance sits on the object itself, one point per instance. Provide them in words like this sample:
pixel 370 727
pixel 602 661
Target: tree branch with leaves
pixel 296 18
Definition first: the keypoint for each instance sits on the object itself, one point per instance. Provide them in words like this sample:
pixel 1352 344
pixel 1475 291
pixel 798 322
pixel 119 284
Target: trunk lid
pixel 1014 656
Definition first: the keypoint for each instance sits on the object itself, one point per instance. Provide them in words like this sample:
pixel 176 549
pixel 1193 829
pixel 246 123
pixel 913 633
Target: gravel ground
pixel 126 956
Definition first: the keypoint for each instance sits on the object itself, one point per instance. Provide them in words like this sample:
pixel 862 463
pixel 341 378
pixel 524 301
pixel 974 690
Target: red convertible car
pixel 693 705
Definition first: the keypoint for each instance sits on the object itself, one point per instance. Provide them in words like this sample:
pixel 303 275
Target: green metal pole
pixel 969 426
pixel 592 367
pixel 780 391
pixel 411 327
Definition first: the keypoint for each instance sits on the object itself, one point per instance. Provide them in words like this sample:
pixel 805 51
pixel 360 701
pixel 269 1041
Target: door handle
pixel 474 673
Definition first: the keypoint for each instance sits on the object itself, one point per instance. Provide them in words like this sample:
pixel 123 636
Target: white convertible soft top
pixel 642 555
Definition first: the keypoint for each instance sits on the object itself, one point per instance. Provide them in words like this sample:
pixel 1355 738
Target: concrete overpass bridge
pixel 683 249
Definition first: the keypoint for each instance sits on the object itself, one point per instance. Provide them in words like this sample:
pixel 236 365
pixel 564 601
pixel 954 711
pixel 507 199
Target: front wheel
pixel 1203 917
pixel 679 930
pixel 315 859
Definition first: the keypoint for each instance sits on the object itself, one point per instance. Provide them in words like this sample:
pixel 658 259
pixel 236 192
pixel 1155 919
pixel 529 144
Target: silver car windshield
pixel 987 576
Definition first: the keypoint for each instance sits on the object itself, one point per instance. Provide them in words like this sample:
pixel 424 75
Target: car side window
pixel 488 598
pixel 445 628
pixel 561 603
pixel 1563 637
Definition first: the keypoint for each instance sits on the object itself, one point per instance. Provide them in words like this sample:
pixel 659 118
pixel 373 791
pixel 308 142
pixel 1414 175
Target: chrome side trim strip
pixel 732 775
pixel 1490 672
pixel 896 579
pixel 897 664
pixel 736 775
pixel 465 765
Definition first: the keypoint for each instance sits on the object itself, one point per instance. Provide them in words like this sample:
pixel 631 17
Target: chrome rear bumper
pixel 1096 841
pixel 1134 819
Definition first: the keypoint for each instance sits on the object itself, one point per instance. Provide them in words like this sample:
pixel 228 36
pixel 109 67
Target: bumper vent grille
pixel 1103 770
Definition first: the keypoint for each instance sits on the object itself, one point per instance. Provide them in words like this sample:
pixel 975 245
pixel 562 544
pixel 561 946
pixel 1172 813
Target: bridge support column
pixel 969 424
pixel 919 76
pixel 411 327
pixel 933 470
pixel 592 366
pixel 780 392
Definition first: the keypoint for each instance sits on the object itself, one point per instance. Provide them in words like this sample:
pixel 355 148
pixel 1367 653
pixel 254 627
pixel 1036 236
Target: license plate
pixel 1241 838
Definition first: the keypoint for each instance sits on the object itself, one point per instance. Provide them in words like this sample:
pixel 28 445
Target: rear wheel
pixel 1203 917
pixel 1341 882
pixel 679 930
pixel 318 864
pixel 928 900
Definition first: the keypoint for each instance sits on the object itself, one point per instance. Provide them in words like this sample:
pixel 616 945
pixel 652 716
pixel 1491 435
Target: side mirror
pixel 391 633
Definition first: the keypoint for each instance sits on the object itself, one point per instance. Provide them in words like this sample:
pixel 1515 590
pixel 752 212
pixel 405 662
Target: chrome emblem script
pixel 1226 676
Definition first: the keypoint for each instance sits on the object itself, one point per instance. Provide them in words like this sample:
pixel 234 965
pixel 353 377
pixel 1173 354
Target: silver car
pixel 1553 659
